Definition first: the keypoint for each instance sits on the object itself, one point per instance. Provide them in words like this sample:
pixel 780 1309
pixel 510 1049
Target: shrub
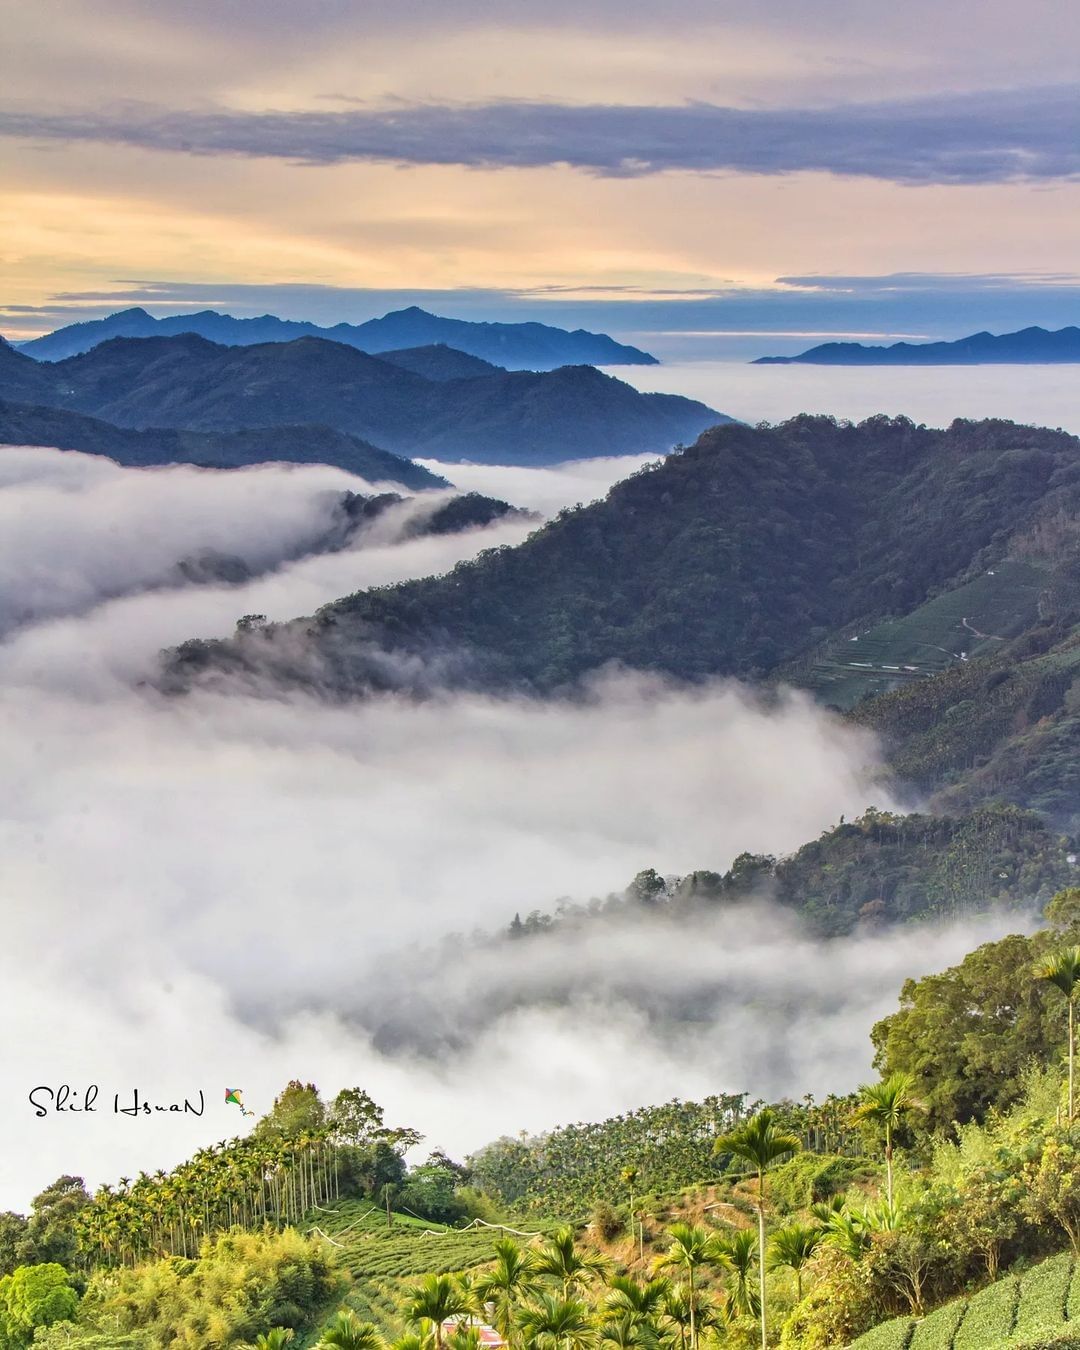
pixel 1043 1291
pixel 808 1178
pixel 242 1284
pixel 990 1316
pixel 606 1221
pixel 938 1331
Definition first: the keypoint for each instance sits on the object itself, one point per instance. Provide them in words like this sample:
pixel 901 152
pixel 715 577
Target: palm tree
pixel 559 1259
pixel 348 1332
pixel 437 1299
pixel 792 1247
pixel 761 1143
pixel 738 1253
pixel 677 1310
pixel 886 1104
pixel 691 1248
pixel 1063 970
pixel 629 1178
pixel 629 1333
pixel 641 1302
pixel 275 1339
pixel 506 1282
pixel 553 1323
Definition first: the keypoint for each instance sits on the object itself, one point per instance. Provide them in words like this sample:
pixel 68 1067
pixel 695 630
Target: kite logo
pixel 235 1097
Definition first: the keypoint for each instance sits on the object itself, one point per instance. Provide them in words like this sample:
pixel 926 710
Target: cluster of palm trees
pixel 555 1294
pixel 245 1183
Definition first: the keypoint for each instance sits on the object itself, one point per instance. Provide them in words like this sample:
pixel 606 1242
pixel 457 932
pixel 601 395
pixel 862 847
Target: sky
pixel 677 174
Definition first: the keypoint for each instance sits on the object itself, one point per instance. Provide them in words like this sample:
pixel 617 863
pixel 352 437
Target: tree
pixel 792 1247
pixel 507 1281
pixel 1062 970
pixel 690 1248
pixel 560 1259
pixel 1053 1186
pixel 737 1254
pixel 626 1297
pixel 629 1176
pixel 969 1033
pixel 761 1143
pixel 435 1300
pixel 54 1216
pixel 297 1110
pixel 354 1117
pixel 886 1104
pixel 35 1296
pixel 348 1332
pixel 554 1323
pixel 16 1245
pixel 277 1338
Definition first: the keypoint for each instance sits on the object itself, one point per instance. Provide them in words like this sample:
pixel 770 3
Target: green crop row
pixel 938 1331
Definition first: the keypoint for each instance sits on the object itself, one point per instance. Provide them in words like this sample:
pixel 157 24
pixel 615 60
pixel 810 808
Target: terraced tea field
pixel 384 1260
pixel 952 627
pixel 1036 1309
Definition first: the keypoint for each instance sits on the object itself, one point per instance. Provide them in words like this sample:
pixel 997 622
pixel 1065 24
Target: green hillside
pixel 382 1258
pixel 740 555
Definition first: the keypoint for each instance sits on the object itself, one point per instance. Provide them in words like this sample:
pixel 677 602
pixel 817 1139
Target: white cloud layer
pixel 217 891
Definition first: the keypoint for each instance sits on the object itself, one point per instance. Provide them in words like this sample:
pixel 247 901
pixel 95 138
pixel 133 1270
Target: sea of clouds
pixel 219 890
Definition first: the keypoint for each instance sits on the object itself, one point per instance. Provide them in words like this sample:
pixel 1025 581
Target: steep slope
pixel 27 424
pixel 518 346
pixel 732 557
pixel 1030 346
pixel 502 418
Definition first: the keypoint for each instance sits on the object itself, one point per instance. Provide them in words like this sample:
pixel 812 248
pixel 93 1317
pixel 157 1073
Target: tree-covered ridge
pixel 504 417
pixel 567 1170
pixel 736 556
pixel 880 868
pixel 29 424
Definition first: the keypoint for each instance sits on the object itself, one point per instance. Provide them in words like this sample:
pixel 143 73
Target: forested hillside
pixel 732 557
pixel 501 417
pixel 879 868
pixel 30 424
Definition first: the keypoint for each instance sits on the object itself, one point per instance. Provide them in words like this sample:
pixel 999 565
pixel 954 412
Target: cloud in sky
pixel 991 137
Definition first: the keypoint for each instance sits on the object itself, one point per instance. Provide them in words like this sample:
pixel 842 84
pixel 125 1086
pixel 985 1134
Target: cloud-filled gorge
pixel 217 889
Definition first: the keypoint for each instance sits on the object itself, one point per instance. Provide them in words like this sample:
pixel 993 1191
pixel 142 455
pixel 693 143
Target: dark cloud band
pixel 962 139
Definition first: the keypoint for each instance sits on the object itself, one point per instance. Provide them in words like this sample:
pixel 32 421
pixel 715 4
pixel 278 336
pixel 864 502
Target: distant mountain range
pixel 499 417
pixel 1030 346
pixel 514 346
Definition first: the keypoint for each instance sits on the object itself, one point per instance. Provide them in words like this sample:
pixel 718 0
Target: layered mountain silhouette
pixel 29 424
pixel 1030 346
pixel 515 346
pixel 501 417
